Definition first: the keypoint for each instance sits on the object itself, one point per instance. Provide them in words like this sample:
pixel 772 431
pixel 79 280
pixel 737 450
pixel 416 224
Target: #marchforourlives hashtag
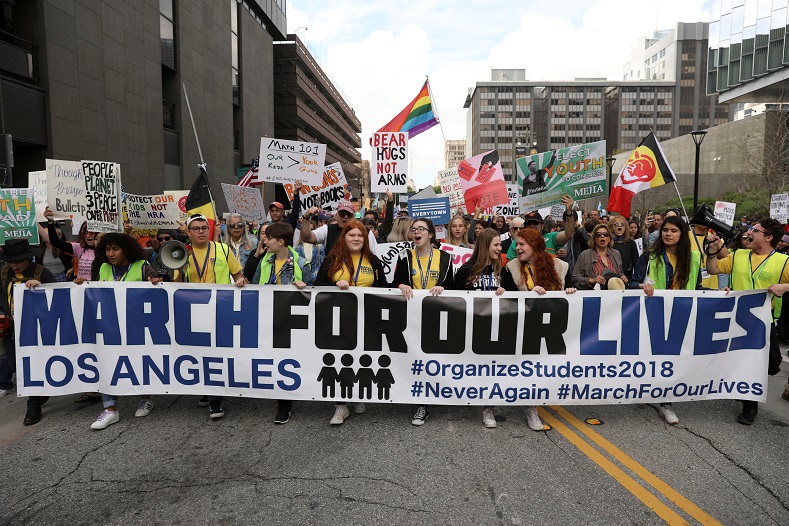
pixel 564 391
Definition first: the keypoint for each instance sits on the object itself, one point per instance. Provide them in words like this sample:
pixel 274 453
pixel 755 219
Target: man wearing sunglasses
pixel 154 254
pixel 553 240
pixel 515 226
pixel 327 235
pixel 757 267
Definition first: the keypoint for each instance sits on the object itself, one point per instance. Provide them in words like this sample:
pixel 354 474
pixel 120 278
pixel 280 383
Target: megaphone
pixel 174 254
pixel 704 216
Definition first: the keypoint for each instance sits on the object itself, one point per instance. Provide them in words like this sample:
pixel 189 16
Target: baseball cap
pixel 277 204
pixel 533 216
pixel 196 217
pixel 321 217
pixel 347 206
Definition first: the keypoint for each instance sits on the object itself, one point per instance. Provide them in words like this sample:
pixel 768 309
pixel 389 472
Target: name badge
pixel 705 274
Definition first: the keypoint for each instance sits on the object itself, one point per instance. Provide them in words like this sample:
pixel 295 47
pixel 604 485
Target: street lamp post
pixel 698 138
pixel 609 161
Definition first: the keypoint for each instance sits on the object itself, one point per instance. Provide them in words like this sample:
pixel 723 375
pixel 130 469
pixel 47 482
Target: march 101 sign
pixel 389 162
pixel 363 344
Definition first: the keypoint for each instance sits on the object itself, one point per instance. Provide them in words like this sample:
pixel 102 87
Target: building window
pixel 167 32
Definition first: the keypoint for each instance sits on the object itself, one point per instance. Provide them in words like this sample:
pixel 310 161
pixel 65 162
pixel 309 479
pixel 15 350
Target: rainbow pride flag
pixel 415 118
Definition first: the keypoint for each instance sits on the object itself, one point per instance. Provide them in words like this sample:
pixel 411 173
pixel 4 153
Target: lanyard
pixel 753 271
pixel 201 272
pixel 115 274
pixel 424 275
pixel 358 269
pixel 669 272
pixel 531 273
pixel 703 254
pixel 488 284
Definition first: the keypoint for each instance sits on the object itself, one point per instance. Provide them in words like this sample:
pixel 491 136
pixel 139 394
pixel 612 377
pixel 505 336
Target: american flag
pixel 251 177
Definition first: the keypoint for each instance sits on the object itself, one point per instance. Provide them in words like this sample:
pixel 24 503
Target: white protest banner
pixel 180 199
pixel 779 207
pixel 244 200
pixel 639 245
pixel 389 162
pixel 102 183
pixel 460 255
pixel 512 208
pixel 449 181
pixel 325 196
pixel 454 349
pixel 725 212
pixel 18 215
pixel 388 254
pixel 441 232
pixel 152 212
pixel 283 161
pixel 38 182
pixel 66 189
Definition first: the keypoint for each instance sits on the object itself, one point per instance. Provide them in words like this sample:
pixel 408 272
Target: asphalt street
pixel 178 467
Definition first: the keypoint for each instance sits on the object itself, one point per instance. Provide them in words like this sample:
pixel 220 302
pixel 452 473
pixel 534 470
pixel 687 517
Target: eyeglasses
pixel 199 228
pixel 619 225
pixel 416 229
pixel 236 225
pixel 757 230
pixel 344 213
pixel 602 234
pixel 516 228
pixel 164 238
pixel 531 223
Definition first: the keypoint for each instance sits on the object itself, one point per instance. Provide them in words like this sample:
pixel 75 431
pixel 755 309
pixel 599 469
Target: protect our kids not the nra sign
pixel 362 344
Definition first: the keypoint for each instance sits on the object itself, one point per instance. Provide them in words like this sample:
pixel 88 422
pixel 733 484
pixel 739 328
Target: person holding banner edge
pixel 534 270
pixel 351 263
pixel 669 264
pixel 125 262
pixel 483 272
pixel 423 267
pixel 759 266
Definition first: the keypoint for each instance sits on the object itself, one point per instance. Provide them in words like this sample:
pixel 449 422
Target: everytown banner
pixel 372 344
pixel 578 171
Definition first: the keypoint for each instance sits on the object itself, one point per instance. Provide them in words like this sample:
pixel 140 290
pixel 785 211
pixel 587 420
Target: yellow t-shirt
pixel 672 260
pixel 712 281
pixel 529 281
pixel 725 265
pixel 433 273
pixel 278 264
pixel 198 254
pixel 366 274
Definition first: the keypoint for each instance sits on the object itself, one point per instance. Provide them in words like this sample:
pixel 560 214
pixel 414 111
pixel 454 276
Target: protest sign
pixel 66 189
pixel 725 212
pixel 389 162
pixel 152 212
pixel 779 207
pixel 459 348
pixel 388 253
pixel 436 209
pixel 441 232
pixel 180 199
pixel 578 171
pixel 283 161
pixel 449 181
pixel 18 215
pixel 244 200
pixel 460 255
pixel 38 182
pixel 482 181
pixel 102 183
pixel 512 208
pixel 325 196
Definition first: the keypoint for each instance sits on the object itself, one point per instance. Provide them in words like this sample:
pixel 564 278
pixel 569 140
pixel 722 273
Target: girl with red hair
pixel 537 270
pixel 351 263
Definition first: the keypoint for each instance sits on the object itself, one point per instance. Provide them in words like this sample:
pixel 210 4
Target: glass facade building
pixel 747 49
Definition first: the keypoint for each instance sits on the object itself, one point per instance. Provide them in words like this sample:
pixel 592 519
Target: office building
pixel 454 152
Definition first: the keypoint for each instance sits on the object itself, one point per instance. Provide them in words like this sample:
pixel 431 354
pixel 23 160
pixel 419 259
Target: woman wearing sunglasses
pixel 625 245
pixel 670 264
pixel 423 267
pixel 600 264
pixel 237 238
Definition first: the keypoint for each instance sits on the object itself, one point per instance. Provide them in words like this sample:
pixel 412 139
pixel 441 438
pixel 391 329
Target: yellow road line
pixel 630 484
pixel 670 493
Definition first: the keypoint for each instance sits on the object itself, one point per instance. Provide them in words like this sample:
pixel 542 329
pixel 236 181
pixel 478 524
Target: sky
pixel 379 53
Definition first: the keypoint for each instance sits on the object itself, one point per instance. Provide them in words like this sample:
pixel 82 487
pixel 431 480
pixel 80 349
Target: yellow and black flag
pixel 646 168
pixel 200 201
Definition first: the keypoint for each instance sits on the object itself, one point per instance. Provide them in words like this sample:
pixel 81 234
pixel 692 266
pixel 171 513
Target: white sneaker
pixel 106 418
pixel 4 392
pixel 340 414
pixel 668 414
pixel 533 419
pixel 358 408
pixel 144 407
pixel 488 418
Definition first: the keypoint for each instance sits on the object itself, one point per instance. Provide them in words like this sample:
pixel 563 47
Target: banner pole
pixel 194 128
pixel 680 201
